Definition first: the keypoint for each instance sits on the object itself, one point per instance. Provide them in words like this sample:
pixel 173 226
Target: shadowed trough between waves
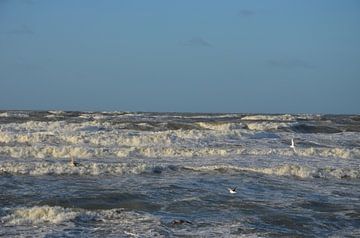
pixel 168 174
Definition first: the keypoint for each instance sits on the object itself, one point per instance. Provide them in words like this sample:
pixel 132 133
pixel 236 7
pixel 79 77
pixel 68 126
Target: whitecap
pixel 39 214
pixel 285 117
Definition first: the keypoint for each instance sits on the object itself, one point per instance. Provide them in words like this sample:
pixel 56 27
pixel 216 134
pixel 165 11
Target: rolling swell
pixel 306 128
pixel 167 174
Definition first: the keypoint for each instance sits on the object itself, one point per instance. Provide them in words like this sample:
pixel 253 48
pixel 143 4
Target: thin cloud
pixel 23 30
pixel 197 41
pixel 290 64
pixel 245 13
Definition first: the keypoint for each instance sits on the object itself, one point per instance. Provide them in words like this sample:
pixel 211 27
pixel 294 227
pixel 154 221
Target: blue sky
pixel 279 56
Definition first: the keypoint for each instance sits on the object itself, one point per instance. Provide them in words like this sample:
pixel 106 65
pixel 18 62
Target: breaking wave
pixel 96 169
pixel 43 152
pixel 14 114
pixel 221 126
pixel 93 139
pixel 57 168
pixel 39 214
pixel 268 126
pixel 286 170
pixel 285 117
pixel 47 219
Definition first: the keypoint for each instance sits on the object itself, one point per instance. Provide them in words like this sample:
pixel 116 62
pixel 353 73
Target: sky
pixel 255 56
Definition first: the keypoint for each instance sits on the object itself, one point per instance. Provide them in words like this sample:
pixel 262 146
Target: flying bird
pixel 232 190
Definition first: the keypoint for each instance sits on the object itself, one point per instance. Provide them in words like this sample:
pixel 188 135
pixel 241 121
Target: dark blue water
pixel 148 180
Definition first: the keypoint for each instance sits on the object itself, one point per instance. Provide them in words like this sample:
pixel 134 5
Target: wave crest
pixel 49 218
pixel 285 117
pixel 86 168
pixel 46 168
pixel 286 170
pixel 163 151
pixel 39 214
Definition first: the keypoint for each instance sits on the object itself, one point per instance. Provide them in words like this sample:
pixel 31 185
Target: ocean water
pixel 168 174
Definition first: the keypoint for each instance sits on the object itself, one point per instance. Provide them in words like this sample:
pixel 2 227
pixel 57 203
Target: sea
pixel 141 174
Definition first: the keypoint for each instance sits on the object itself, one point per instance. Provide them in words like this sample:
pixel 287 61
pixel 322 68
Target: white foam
pixel 101 139
pixel 221 126
pixel 342 153
pixel 143 149
pixel 85 116
pixel 265 126
pixel 56 112
pixel 287 170
pixel 53 116
pixel 39 214
pixel 57 168
pixel 285 117
pixel 42 152
pixel 92 168
pixel 47 219
pixel 14 114
pixel 213 116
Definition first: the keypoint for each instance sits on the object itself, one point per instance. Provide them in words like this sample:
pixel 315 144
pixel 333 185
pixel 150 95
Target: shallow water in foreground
pixel 139 173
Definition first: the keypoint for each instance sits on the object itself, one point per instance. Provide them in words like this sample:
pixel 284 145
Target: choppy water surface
pixel 167 174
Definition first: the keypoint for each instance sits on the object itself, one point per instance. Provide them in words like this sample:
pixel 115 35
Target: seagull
pixel 293 145
pixel 232 190
pixel 73 162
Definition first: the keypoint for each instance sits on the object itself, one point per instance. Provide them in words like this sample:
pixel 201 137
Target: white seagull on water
pixel 232 190
pixel 293 145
